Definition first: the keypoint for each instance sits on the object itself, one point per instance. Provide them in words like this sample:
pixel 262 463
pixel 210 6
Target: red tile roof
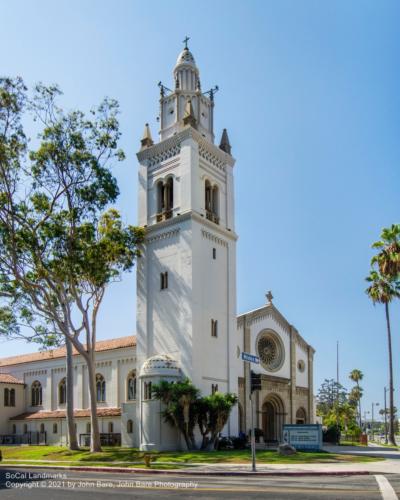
pixel 5 378
pixel 39 415
pixel 101 345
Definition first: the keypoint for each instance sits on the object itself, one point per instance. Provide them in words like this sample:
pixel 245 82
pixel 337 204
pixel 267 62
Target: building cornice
pixel 171 147
pixel 153 230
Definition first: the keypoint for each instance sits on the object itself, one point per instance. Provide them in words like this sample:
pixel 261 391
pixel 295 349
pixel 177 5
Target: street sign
pixel 246 356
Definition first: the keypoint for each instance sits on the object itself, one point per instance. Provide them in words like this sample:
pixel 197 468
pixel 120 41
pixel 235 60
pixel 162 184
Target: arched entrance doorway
pixel 273 418
pixel 301 416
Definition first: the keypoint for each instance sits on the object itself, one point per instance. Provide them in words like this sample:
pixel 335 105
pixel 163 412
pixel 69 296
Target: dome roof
pixel 186 57
pixel 160 365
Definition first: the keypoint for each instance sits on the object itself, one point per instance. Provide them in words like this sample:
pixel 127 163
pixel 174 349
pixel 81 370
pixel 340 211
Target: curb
pixel 178 472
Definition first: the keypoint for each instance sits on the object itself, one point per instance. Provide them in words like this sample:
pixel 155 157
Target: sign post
pixel 250 358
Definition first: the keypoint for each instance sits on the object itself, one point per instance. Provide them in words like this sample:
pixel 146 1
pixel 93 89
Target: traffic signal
pixel 255 381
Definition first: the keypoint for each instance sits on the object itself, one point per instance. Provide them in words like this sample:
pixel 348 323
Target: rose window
pixel 270 351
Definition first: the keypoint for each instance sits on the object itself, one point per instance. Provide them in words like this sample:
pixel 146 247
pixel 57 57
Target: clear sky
pixel 310 97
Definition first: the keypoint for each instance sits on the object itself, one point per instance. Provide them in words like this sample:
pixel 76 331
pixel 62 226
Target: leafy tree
pixel 184 409
pixel 357 375
pixel 330 394
pixel 180 410
pixel 213 413
pixel 59 247
pixel 336 407
pixel 343 416
pixel 383 291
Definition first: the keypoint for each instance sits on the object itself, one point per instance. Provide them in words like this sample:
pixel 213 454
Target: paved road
pixel 73 485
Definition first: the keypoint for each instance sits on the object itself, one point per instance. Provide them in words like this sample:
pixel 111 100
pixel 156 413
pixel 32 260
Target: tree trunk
pixel 391 403
pixel 72 440
pixel 359 406
pixel 95 444
pixel 186 437
pixel 192 440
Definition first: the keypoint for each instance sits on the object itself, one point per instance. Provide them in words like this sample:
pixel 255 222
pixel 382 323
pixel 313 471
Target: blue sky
pixel 309 94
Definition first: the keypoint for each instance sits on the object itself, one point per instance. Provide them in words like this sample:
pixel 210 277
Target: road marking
pixel 386 488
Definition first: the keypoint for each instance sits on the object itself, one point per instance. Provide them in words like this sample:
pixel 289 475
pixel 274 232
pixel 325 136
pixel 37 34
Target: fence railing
pixel 106 439
pixel 32 437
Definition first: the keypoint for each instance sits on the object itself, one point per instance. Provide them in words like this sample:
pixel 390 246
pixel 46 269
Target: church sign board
pixel 246 356
pixel 303 437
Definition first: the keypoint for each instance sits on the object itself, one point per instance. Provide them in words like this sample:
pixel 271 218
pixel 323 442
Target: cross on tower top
pixel 269 297
pixel 185 41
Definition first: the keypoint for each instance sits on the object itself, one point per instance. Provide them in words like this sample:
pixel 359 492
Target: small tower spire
pixel 189 118
pixel 146 141
pixel 225 144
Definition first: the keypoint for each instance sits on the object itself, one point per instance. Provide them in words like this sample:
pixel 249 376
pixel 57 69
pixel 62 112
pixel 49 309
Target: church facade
pixel 187 325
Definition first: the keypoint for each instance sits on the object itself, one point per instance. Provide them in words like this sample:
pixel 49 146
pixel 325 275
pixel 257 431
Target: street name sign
pixel 246 356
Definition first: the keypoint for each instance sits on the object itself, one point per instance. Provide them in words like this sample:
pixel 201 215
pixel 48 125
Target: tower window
pixel 214 328
pixel 164 280
pixel 100 388
pixel 214 388
pixel 147 390
pixel 110 427
pixel 14 429
pixel 212 202
pixel 36 393
pixel 165 199
pixel 62 391
pixel 6 397
pixel 55 428
pixel 129 427
pixel 214 253
pixel 132 386
pixel 12 397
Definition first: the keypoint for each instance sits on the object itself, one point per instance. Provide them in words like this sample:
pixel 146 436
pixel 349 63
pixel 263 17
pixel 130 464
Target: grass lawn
pixel 131 457
pixel 351 443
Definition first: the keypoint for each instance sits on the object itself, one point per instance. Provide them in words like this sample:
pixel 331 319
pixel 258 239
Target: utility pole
pixel 255 385
pixel 253 436
pixel 337 392
pixel 372 421
pixel 337 363
pixel 386 433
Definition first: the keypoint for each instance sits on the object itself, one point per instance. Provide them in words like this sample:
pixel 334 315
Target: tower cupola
pixel 185 103
pixel 186 73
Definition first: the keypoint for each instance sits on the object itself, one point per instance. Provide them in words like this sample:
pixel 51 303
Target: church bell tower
pixel 186 277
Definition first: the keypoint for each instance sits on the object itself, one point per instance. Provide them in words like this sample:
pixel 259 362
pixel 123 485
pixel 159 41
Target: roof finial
pixel 188 117
pixel 225 144
pixel 146 141
pixel 269 297
pixel 185 41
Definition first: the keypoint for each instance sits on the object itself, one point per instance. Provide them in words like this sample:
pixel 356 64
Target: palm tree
pixel 388 259
pixel 383 291
pixel 357 375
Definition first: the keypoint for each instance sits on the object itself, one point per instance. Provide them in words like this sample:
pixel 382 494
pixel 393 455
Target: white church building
pixel 187 324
